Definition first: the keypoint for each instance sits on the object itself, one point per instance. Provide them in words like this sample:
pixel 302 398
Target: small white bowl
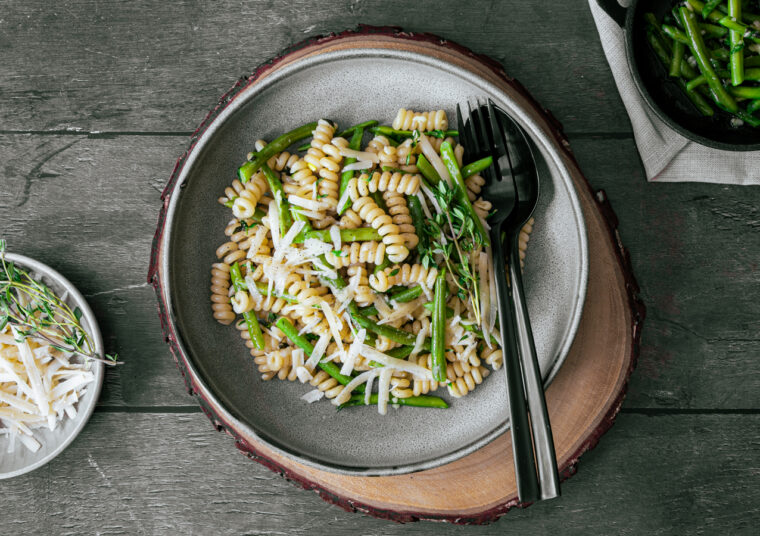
pixel 22 460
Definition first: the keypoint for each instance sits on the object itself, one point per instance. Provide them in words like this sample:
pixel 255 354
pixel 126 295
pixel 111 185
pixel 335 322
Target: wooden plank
pixel 164 474
pixel 694 251
pixel 692 246
pixel 157 66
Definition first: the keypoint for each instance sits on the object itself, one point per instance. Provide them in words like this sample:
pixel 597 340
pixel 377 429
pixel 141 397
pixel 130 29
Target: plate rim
pixel 216 121
pixel 93 391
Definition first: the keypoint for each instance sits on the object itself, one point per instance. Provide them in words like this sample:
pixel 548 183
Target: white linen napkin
pixel 668 156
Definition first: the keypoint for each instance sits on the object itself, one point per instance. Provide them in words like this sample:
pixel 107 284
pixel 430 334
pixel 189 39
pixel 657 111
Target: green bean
pixel 405 295
pixel 360 126
pixel 302 342
pixel 379 201
pixel 713 30
pixel 659 47
pixel 418 220
pixel 438 328
pixel 741 29
pixel 422 401
pixel 745 92
pixel 346 176
pixel 278 145
pixel 675 60
pixel 476 167
pixel 283 207
pixel 450 160
pixel 698 49
pixel 360 234
pixel 749 119
pixel 427 170
pixel 675 34
pixel 736 40
pixel 699 80
pixel 717 14
pixel 299 216
pixel 753 106
pixel 752 61
pixel 390 131
pixel 396 335
pixel 251 322
pixel 400 352
pixel 709 6
pixel 382 266
pixel 699 6
pixel 430 306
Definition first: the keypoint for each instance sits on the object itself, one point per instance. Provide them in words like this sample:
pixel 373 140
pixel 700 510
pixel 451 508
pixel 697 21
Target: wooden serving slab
pixel 584 397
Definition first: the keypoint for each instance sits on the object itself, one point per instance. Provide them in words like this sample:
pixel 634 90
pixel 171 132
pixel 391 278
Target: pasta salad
pixel 363 270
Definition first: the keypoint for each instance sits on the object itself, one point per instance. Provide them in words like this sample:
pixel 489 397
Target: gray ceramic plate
pixel 350 87
pixel 22 460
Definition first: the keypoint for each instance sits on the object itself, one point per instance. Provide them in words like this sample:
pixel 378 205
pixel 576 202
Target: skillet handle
pixel 614 10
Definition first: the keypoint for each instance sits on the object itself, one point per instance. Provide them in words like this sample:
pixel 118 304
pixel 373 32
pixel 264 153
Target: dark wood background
pixel 97 100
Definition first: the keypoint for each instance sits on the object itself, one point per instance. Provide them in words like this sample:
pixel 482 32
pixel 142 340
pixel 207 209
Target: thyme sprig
pixel 452 236
pixel 34 311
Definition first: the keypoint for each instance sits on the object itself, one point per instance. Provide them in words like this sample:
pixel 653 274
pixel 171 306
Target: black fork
pixel 502 194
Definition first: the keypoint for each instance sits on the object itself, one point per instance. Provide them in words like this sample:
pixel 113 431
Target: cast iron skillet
pixel 664 97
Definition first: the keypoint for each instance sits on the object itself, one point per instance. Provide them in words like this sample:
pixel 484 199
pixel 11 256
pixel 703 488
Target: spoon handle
pixel 522 445
pixel 542 432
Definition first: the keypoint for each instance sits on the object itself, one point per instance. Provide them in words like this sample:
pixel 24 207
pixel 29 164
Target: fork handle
pixel 522 445
pixel 542 432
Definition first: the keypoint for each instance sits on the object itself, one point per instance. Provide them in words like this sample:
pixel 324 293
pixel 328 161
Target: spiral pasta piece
pixel 382 222
pixel 329 172
pixel 358 280
pixel 467 382
pixel 402 183
pixel 493 357
pixel 474 185
pixel 482 207
pixel 406 274
pixel 326 383
pixel 399 212
pixel 220 288
pixel 407 152
pixel 350 220
pixel 423 387
pixel 357 253
pixel 321 136
pixel 422 121
pixel 229 253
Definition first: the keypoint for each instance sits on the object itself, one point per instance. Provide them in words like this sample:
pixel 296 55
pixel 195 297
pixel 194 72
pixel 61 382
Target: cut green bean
pixel 406 294
pixel 360 234
pixel 660 49
pixel 430 306
pixel 251 322
pixel 476 167
pixel 675 59
pixel 713 30
pixel 422 401
pixel 360 126
pixel 418 220
pixel 283 207
pixel 391 169
pixel 697 46
pixel 438 328
pixel 390 131
pixel 736 41
pixel 346 176
pixel 745 92
pixel 450 161
pixel 396 335
pixel 709 7
pixel 753 106
pixel 742 29
pixel 427 170
pixel 289 330
pixel 278 145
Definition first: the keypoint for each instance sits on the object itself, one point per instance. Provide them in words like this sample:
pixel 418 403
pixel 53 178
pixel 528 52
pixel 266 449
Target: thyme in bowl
pixel 34 311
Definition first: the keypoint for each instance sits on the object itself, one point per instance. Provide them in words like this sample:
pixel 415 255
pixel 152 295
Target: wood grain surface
pixel 96 101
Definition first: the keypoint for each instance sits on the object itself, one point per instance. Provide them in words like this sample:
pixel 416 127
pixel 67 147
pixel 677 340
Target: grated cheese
pixel 345 393
pixel 358 165
pixel 418 371
pixel 312 396
pixel 318 352
pixel 383 390
pixel 353 352
pixel 432 155
pixel 359 155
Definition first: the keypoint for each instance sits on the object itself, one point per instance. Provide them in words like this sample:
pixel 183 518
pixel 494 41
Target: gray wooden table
pixel 97 99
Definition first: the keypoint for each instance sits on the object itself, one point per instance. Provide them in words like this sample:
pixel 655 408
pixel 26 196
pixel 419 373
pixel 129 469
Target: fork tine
pixel 467 141
pixel 501 143
pixel 483 130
